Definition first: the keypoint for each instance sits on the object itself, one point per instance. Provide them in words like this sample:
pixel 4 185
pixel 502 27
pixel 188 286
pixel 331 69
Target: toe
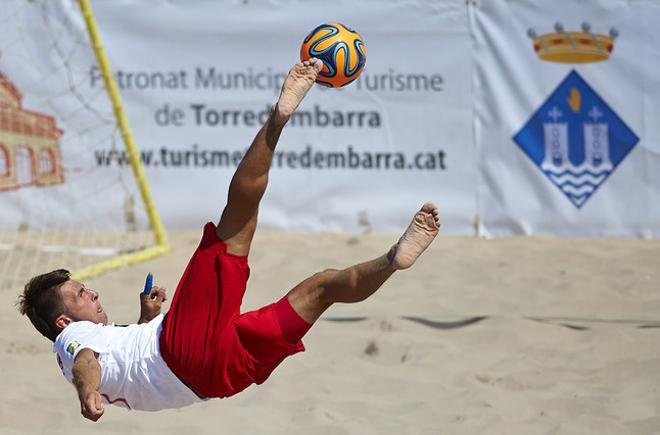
pixel 429 207
pixel 431 221
pixel 317 64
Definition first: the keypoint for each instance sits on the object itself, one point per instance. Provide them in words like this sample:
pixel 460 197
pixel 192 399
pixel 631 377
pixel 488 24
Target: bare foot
pixel 295 87
pixel 419 235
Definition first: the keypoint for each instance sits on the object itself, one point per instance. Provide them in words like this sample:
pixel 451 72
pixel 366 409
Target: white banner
pixel 566 107
pixel 361 158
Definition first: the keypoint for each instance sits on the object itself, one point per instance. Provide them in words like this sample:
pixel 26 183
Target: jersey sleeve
pixel 76 337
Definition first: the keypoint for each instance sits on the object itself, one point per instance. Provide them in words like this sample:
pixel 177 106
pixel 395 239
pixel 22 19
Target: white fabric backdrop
pixel 428 40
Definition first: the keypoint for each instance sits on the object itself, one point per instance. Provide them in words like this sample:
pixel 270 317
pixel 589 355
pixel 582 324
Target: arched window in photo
pixel 46 161
pixel 24 164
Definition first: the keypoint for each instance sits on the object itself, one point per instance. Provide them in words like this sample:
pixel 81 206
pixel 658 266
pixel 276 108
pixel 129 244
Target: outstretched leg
pixel 247 187
pixel 316 294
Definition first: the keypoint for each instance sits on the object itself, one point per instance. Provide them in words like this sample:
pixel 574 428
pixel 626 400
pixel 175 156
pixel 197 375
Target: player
pixel 204 347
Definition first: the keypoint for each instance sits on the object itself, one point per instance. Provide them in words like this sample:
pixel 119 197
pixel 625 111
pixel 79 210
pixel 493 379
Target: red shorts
pixel 205 340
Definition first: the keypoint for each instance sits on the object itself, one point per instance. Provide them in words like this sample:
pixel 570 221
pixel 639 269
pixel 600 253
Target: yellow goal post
pixel 161 247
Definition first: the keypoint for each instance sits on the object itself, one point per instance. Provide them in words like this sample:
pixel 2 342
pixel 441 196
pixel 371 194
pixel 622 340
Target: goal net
pixel 58 207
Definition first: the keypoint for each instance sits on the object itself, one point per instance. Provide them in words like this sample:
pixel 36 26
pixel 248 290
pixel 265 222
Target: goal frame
pixel 161 246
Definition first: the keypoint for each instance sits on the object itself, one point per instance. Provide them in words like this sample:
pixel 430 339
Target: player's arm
pixel 151 304
pixel 86 373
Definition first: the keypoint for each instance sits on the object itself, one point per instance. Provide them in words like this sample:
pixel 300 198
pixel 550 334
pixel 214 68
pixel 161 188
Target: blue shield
pixel 576 139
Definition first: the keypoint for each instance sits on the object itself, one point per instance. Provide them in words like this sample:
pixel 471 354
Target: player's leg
pixel 313 296
pixel 239 218
pixel 272 333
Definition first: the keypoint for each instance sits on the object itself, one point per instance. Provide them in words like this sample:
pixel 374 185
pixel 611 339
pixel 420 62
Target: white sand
pixel 589 364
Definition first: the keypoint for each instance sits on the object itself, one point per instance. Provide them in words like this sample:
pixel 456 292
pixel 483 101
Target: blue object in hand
pixel 148 284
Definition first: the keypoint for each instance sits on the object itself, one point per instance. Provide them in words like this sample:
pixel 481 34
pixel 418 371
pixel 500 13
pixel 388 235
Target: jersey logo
pixel 576 139
pixel 72 346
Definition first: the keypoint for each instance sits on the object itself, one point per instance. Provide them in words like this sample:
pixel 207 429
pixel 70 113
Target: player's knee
pixel 334 285
pixel 247 187
pixel 322 284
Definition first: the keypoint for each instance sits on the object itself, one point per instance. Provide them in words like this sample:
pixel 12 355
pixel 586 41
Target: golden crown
pixel 573 47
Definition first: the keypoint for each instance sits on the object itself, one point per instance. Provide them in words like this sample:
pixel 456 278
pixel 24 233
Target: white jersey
pixel 133 373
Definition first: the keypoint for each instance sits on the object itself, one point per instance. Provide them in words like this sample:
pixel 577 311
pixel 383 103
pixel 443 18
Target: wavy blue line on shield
pixel 576 139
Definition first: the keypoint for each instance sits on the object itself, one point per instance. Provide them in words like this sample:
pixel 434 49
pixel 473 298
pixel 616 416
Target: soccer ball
pixel 340 49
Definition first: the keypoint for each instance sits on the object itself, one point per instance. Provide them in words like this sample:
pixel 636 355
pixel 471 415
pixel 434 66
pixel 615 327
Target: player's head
pixel 53 300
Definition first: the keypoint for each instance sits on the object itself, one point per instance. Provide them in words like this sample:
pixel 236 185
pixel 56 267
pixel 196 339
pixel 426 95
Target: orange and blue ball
pixel 341 50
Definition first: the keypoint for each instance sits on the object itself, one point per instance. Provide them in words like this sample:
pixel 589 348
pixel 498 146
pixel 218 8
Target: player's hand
pixel 150 305
pixel 90 406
